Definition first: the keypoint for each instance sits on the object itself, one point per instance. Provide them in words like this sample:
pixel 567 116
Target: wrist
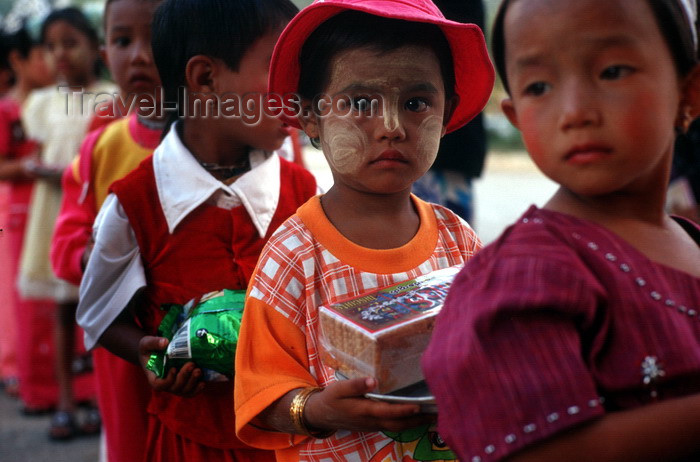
pixel 298 414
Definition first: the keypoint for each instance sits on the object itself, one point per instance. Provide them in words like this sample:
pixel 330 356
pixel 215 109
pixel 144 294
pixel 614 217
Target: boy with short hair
pixel 193 218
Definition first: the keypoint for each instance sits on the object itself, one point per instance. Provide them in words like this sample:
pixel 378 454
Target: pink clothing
pixel 14 200
pixel 8 337
pixel 74 221
pixel 34 318
pixel 105 155
pixel 555 324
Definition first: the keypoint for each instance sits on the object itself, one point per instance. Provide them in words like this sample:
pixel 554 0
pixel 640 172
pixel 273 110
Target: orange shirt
pixel 306 264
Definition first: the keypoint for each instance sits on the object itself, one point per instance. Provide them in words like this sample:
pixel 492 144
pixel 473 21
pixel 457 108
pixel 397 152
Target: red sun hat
pixel 474 75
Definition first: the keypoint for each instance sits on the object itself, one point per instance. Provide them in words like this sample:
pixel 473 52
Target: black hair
pixel 223 29
pixel 5 58
pixel 341 33
pixel 75 18
pixel 106 11
pixel 669 16
pixel 20 41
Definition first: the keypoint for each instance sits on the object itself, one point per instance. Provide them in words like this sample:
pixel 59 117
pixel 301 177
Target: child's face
pixel 73 53
pixel 128 46
pixel 384 147
pixel 36 68
pixel 594 92
pixel 254 128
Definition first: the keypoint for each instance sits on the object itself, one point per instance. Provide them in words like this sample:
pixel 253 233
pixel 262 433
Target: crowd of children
pixel 574 336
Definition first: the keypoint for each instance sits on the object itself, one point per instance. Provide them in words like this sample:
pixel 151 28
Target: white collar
pixel 183 184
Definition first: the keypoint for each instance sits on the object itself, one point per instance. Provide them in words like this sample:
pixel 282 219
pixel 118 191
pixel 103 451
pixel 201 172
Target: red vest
pixel 210 249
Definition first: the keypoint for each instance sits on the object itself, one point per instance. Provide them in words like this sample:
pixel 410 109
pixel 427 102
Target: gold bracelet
pixel 296 412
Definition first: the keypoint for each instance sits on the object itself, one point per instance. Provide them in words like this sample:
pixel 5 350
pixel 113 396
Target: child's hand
pixel 185 382
pixel 342 405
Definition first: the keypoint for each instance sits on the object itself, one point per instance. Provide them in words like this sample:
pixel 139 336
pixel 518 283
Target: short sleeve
pixel 114 272
pixel 505 362
pixel 270 361
pixel 72 229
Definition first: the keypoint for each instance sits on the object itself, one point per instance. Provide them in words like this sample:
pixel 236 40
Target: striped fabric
pixel 554 324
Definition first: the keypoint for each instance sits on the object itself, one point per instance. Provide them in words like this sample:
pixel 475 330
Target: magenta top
pixel 14 145
pixel 556 323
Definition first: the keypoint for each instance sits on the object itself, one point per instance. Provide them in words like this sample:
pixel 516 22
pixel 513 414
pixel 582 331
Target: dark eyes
pixel 68 44
pixel 609 73
pixel 615 72
pixel 121 41
pixel 536 88
pixel 361 103
pixel 366 104
pixel 417 105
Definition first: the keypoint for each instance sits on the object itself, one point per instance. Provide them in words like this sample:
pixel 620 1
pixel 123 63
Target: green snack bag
pixel 167 328
pixel 204 331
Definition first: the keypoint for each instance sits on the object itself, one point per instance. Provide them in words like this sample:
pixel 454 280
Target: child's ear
pixel 14 59
pixel 689 108
pixel 309 120
pixel 199 74
pixel 509 110
pixel 450 105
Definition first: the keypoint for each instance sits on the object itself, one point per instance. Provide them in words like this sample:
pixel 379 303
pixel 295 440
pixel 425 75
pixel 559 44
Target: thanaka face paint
pixel 345 143
pixel 401 138
pixel 430 132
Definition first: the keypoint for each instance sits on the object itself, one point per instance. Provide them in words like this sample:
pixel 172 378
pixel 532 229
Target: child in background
pixel 368 231
pixel 107 155
pixel 26 57
pixel 59 126
pixel 193 218
pixel 575 335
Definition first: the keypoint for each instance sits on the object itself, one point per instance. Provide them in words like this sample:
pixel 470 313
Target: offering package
pixel 203 331
pixel 384 333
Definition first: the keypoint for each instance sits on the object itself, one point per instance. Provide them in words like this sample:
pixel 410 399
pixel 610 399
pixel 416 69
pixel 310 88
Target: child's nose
pixel 391 126
pixel 142 52
pixel 58 51
pixel 578 106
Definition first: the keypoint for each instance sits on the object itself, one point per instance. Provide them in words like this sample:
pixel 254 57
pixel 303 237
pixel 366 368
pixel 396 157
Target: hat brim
pixel 474 74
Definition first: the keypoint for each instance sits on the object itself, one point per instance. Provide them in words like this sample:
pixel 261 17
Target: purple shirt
pixel 556 323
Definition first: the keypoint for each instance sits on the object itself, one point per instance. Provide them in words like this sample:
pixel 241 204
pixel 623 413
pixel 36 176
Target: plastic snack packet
pixel 203 331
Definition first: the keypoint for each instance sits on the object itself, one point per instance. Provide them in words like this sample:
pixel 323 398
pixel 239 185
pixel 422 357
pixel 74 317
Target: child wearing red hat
pixel 424 76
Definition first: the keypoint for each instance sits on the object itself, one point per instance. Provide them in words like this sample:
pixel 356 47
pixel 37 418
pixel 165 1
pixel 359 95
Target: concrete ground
pixel 25 439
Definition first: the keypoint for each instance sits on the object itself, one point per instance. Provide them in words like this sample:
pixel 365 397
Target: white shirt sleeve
pixel 114 272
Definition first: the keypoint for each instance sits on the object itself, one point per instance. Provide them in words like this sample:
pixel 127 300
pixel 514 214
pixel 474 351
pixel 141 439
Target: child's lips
pixel 140 79
pixel 586 153
pixel 63 65
pixel 390 155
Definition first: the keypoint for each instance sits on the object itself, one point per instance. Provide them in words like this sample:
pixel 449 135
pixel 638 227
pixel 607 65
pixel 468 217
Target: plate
pixel 417 393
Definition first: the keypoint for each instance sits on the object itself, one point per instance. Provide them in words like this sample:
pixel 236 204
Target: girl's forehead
pixel 123 13
pixel 609 10
pixel 562 23
pixel 406 65
pixel 61 28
